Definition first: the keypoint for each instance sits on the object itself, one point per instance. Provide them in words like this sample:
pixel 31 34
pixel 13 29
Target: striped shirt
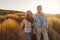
pixel 27 26
pixel 38 18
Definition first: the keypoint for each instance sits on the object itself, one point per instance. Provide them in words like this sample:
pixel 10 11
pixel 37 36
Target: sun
pixel 48 7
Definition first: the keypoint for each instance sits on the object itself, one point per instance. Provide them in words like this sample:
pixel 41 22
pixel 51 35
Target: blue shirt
pixel 37 20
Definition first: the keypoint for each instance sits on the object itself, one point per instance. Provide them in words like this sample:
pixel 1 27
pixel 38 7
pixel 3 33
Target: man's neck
pixel 40 13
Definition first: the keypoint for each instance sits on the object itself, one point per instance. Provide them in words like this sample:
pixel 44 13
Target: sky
pixel 49 6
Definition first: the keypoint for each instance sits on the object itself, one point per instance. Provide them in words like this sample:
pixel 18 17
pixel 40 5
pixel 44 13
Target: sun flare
pixel 49 7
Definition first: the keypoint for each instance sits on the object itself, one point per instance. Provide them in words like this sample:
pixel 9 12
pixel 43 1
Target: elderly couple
pixel 36 24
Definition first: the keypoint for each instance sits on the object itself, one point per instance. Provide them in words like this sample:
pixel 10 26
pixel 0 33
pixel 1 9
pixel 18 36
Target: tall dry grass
pixel 10 27
pixel 9 30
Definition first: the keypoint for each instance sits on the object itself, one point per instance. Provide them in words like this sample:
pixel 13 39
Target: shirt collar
pixel 41 15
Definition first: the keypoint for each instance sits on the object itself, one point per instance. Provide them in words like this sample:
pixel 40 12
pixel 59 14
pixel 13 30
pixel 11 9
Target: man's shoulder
pixel 35 15
pixel 44 14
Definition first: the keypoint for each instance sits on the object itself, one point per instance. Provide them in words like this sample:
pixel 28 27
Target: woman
pixel 29 26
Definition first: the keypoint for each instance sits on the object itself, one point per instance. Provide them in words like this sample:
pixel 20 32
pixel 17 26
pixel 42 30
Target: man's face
pixel 39 9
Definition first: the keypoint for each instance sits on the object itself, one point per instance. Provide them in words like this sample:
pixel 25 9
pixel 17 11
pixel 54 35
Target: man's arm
pixel 45 21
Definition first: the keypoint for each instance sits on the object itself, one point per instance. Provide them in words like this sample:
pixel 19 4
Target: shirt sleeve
pixel 45 21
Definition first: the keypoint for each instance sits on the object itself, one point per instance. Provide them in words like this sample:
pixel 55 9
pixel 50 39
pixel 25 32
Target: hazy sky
pixel 49 6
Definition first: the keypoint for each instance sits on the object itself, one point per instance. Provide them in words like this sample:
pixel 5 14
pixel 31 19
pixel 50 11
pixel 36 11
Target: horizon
pixel 24 11
pixel 49 6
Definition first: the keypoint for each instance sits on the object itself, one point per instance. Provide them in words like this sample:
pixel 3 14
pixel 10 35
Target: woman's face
pixel 29 14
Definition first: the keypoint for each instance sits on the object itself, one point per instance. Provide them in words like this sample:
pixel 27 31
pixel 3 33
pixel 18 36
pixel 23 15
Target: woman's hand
pixel 47 29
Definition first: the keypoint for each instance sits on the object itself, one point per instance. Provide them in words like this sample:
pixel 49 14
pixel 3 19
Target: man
pixel 41 23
